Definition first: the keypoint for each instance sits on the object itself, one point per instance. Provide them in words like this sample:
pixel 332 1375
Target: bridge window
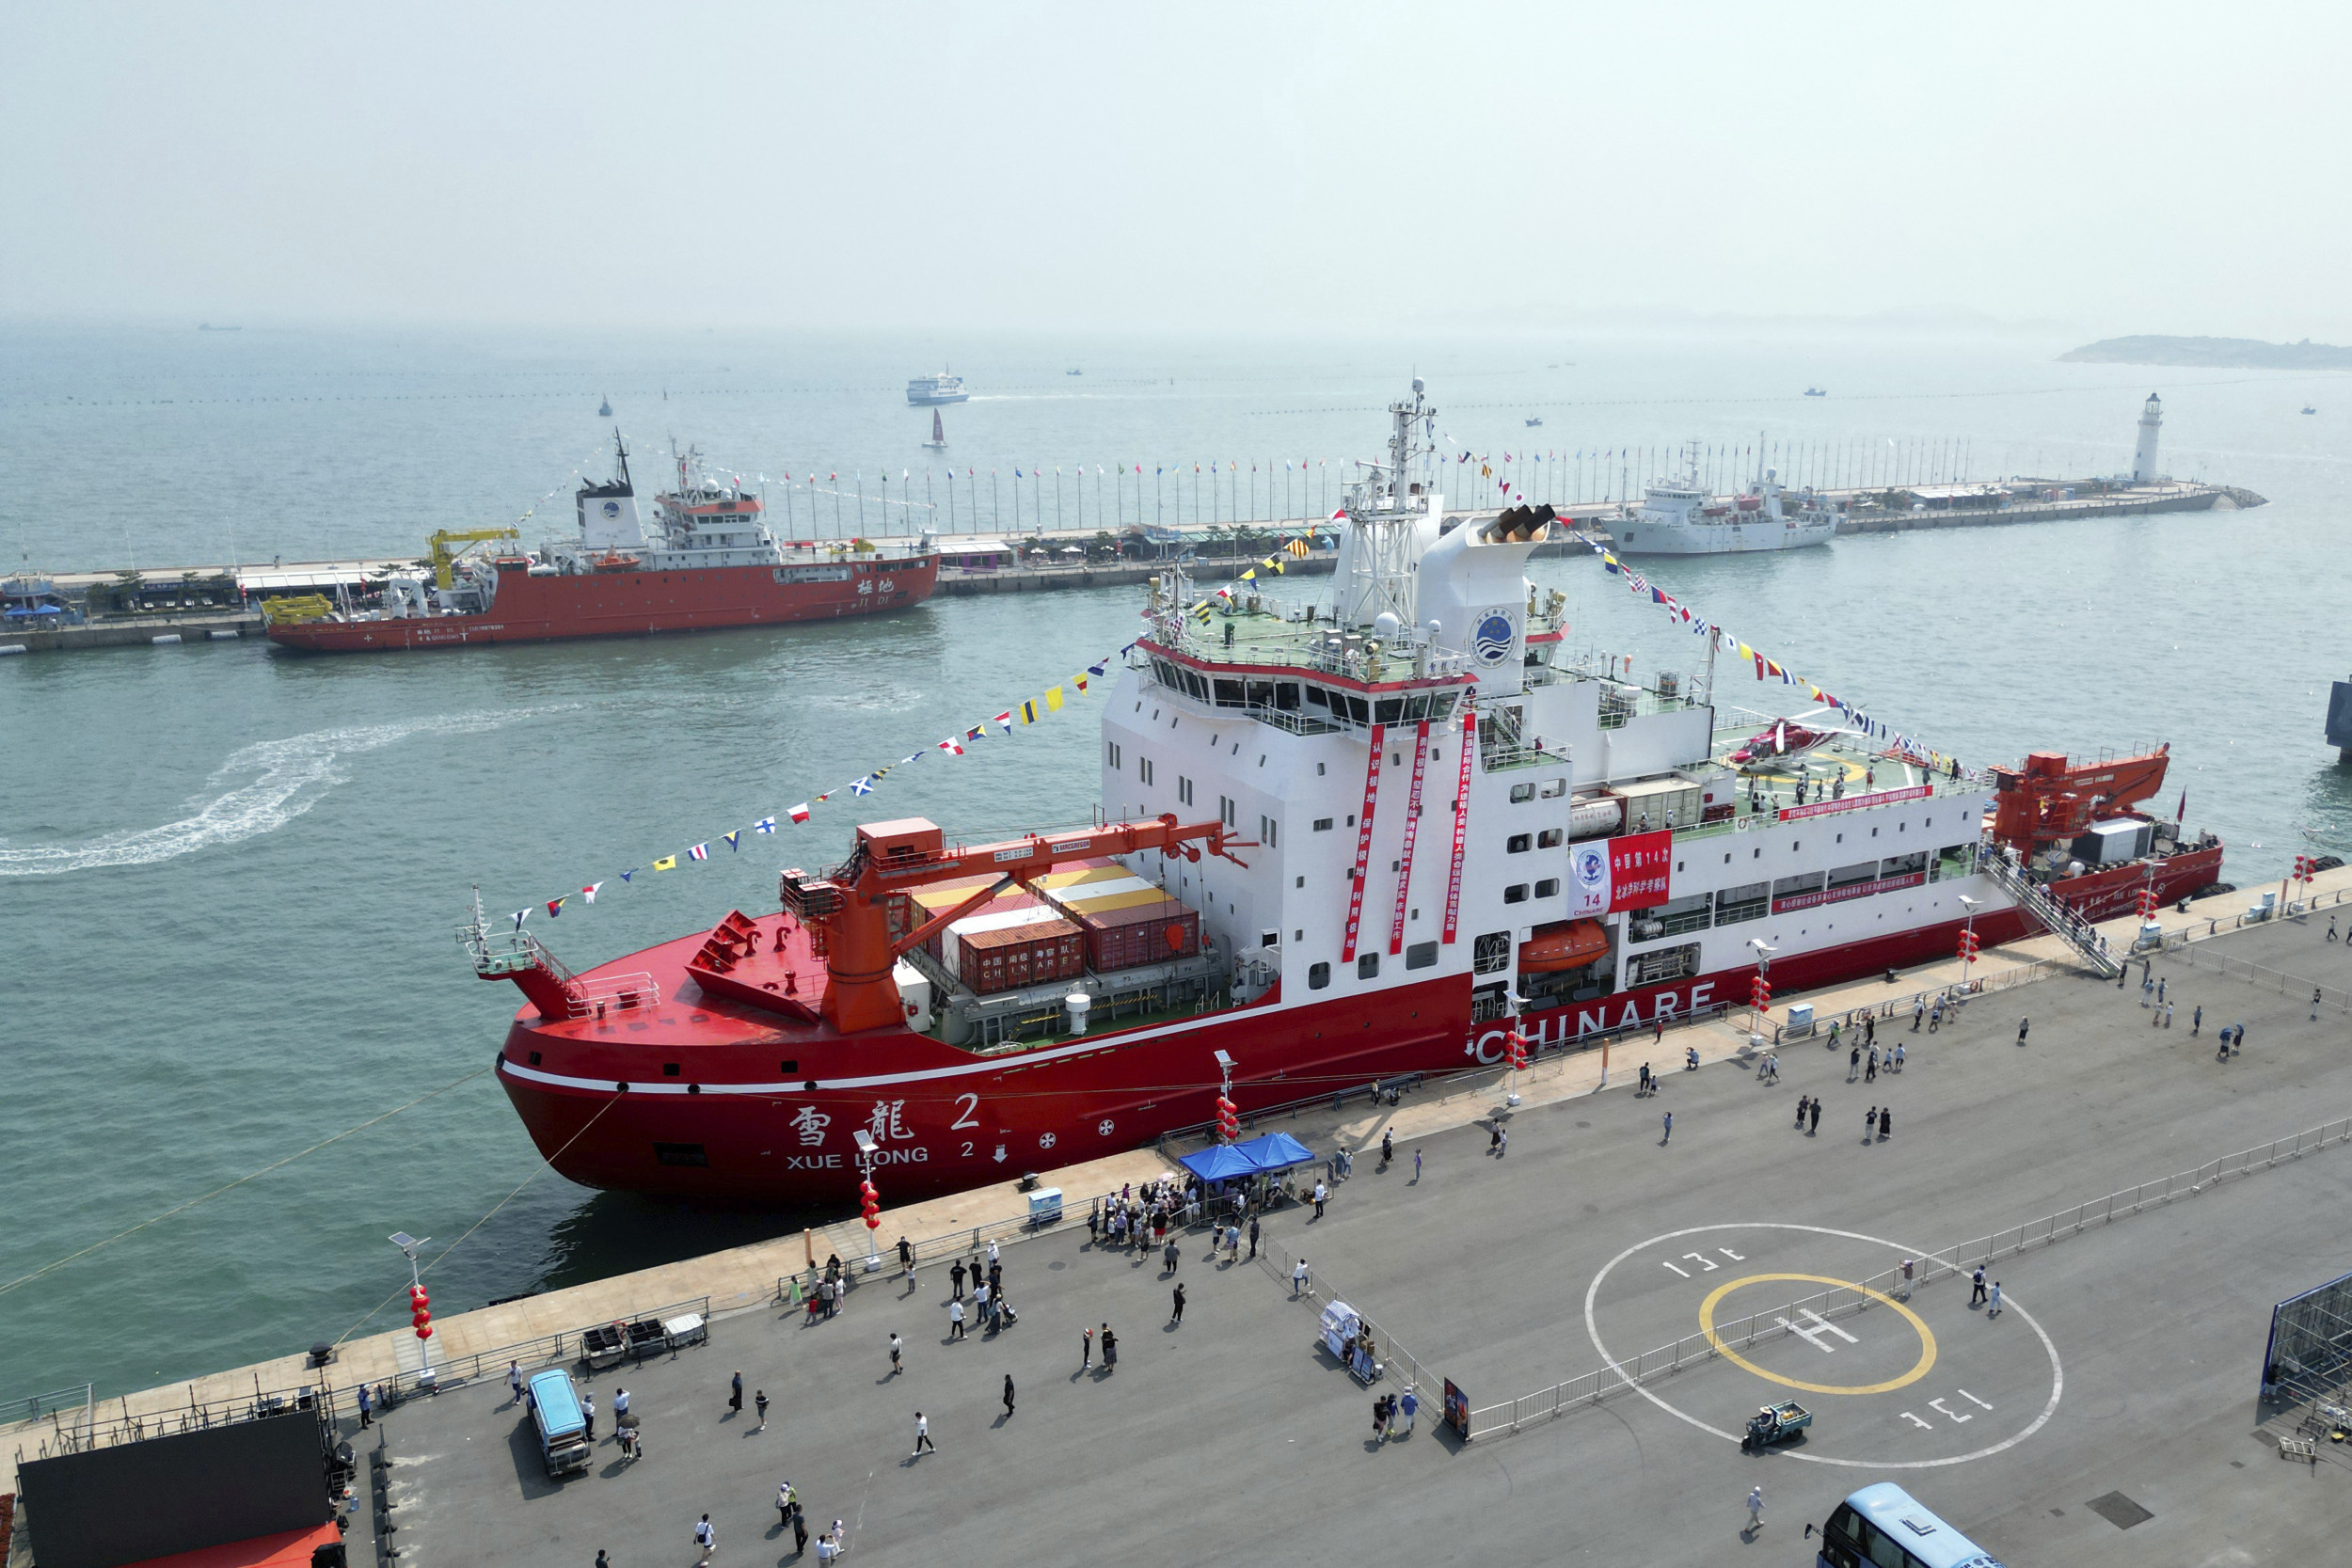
pixel 1548 888
pixel 1552 838
pixel 1519 844
pixel 1367 966
pixel 1318 976
pixel 1515 893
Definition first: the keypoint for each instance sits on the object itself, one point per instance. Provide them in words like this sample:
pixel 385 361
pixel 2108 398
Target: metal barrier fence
pixel 963 1242
pixel 2285 983
pixel 1401 1368
pixel 79 1426
pixel 32 1407
pixel 1698 1349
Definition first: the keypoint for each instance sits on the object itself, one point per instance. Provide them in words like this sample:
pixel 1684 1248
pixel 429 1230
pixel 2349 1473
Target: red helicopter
pixel 1787 737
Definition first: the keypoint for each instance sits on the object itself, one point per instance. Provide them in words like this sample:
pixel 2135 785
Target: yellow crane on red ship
pixel 444 557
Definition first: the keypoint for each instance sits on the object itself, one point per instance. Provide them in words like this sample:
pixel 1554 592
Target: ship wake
pixel 259 789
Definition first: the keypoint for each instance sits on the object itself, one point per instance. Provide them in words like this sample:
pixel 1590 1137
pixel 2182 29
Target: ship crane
pixel 444 557
pixel 2045 801
pixel 857 913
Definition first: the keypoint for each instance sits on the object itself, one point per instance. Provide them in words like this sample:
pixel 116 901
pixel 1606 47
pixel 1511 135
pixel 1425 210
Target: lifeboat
pixel 1568 946
pixel 615 561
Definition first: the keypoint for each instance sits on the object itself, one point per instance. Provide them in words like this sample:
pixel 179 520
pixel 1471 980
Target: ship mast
pixel 1382 515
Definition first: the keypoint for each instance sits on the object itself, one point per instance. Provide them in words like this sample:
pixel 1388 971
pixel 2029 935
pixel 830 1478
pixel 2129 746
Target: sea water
pixel 229 878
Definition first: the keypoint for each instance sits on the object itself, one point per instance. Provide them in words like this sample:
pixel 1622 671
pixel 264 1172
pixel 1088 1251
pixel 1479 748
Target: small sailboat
pixel 939 434
pixel 2309 409
pixel 604 409
pixel 1817 391
pixel 1533 422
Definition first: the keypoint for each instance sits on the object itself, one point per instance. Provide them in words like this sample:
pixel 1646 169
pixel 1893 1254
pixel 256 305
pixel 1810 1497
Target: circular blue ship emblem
pixel 1491 641
pixel 612 509
pixel 1592 868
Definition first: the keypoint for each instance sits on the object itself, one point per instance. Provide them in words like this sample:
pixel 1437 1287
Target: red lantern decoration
pixel 420 1311
pixel 1228 1118
pixel 871 1201
pixel 1760 995
pixel 1968 945
pixel 1517 1045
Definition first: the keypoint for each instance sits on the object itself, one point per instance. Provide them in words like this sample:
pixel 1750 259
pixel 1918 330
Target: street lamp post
pixel 410 1246
pixel 866 1152
pixel 1760 998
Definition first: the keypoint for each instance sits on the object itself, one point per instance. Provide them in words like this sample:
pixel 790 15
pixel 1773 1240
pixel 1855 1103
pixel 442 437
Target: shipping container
pixel 1011 908
pixel 1008 957
pixel 1139 934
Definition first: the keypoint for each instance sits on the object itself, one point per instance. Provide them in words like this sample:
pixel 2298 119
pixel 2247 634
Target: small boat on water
pixel 604 409
pixel 1073 372
pixel 1533 422
pixel 1817 391
pixel 939 434
pixel 2309 409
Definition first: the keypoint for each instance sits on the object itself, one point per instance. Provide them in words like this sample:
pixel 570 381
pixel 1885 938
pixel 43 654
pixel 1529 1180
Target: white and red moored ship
pixel 708 562
pixel 1342 842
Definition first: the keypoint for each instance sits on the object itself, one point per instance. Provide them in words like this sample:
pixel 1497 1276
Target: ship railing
pixel 2072 929
pixel 1889 1287
pixel 640 989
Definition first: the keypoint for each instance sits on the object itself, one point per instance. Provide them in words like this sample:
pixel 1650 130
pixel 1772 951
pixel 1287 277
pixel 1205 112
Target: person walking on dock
pixel 1896 1057
pixel 2022 1024
pixel 1755 1508
pixel 366 1408
pixel 1886 1122
pixel 2196 1021
pixel 705 1537
pixel 1976 1292
pixel 759 1402
pixel 1993 1305
pixel 1816 1119
pixel 784 1505
pixel 1253 1240
pixel 1502 1139
pixel 1086 1348
pixel 1869 1123
pixel 1854 1065
pixel 1870 1030
pixel 923 1436
pixel 2160 985
pixel 1919 1015
pixel 906 1261
pixel 734 1395
pixel 1298 1278
pixel 1388 1147
pixel 588 1411
pixel 1870 1066
pixel 1406 1408
pixel 514 1380
pixel 1804 1103
pixel 897 1347
pixel 799 1527
pixel 1254 1219
pixel 956 1274
pixel 2168 1015
pixel 955 1320
pixel 1178 1316
pixel 1323 1195
pixel 1670 1131
pixel 1008 1394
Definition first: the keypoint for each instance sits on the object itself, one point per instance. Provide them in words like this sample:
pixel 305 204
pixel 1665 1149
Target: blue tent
pixel 1274 1151
pixel 1218 1164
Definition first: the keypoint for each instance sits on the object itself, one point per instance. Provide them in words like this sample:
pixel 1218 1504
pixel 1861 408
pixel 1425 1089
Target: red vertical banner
pixel 1363 845
pixel 1461 826
pixel 1412 832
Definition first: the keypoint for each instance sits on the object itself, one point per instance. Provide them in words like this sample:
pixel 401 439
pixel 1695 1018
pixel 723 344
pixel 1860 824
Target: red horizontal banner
pixel 1839 894
pixel 1855 802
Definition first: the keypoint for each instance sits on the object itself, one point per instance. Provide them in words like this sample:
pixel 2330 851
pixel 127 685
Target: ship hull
pixel 636 604
pixel 947 1121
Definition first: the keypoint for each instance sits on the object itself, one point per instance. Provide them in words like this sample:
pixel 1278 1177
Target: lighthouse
pixel 2144 456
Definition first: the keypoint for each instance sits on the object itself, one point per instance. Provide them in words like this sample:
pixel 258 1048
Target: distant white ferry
pixel 926 390
pixel 1678 516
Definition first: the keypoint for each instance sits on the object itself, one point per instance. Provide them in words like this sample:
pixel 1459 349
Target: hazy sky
pixel 2141 167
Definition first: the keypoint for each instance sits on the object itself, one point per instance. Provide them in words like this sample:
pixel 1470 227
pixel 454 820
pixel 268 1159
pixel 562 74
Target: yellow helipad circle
pixel 1927 1336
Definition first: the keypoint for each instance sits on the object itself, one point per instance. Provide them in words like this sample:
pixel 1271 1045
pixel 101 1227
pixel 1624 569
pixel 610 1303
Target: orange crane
pixel 858 915
pixel 2046 802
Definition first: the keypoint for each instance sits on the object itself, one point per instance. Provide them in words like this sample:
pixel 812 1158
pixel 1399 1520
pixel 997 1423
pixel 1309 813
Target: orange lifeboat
pixel 1568 946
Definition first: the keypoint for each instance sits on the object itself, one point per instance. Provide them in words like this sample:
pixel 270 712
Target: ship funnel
pixel 607 512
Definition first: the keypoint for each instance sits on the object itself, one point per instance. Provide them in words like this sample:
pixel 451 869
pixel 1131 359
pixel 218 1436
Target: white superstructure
pixel 1681 517
pixel 1565 841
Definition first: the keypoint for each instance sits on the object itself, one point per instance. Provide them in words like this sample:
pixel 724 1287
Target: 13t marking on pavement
pixel 1705 1263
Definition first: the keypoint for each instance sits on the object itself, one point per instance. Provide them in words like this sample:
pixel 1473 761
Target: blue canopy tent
pixel 1274 1151
pixel 1221 1164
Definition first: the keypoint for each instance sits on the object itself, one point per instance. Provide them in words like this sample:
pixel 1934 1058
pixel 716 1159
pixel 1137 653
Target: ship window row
pixel 1552 789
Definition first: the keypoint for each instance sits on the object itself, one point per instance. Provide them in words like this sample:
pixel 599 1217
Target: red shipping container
pixel 1004 903
pixel 1021 955
pixel 1140 934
